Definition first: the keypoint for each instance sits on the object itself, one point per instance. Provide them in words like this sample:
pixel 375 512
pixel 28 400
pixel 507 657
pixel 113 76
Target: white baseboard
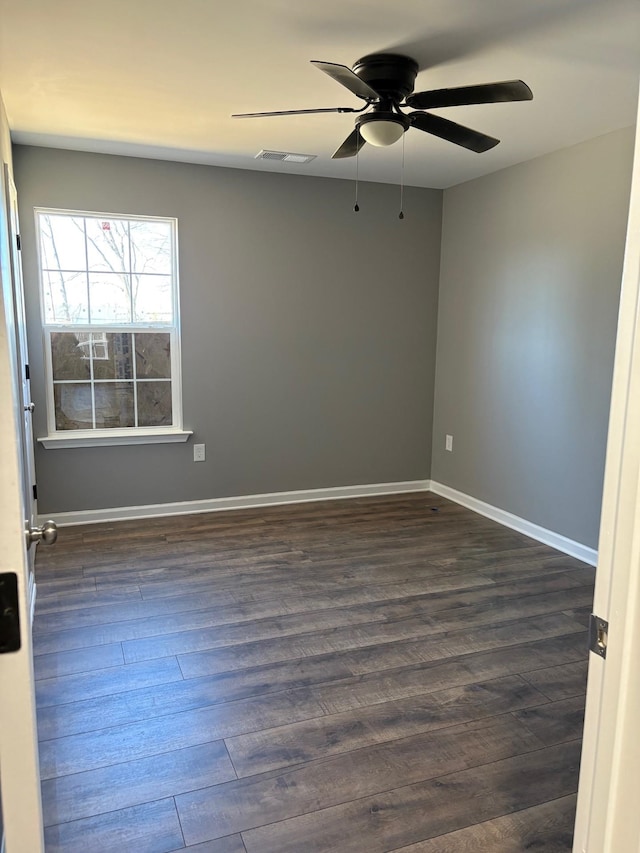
pixel 94 516
pixel 541 534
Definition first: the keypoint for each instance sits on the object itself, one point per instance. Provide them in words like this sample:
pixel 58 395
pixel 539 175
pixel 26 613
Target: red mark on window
pixel 106 226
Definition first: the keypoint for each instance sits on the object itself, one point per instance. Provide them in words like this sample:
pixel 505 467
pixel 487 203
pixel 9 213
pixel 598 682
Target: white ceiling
pixel 160 78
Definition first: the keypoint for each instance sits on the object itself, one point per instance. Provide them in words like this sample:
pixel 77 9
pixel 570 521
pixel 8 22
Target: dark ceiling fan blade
pixel 350 147
pixel 452 132
pixel 345 76
pixel 485 93
pixel 296 112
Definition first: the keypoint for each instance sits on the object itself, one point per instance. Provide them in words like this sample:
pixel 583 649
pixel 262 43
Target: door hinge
pixel 35 492
pixel 598 635
pixel 18 242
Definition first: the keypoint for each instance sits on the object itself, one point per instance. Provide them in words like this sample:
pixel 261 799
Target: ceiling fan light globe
pixel 381 132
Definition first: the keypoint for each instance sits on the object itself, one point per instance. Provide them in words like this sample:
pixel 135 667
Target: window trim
pixel 119 436
pixel 114 437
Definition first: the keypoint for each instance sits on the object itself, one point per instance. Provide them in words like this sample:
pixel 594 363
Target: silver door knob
pixel 47 534
pixel 30 408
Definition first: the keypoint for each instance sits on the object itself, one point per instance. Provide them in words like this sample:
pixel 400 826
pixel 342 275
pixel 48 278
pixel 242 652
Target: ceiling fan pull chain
pixel 401 216
pixel 356 206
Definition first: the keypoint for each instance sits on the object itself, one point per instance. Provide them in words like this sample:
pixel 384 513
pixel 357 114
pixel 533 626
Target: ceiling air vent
pixel 285 156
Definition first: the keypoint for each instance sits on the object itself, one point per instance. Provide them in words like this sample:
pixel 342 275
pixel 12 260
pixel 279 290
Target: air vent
pixel 285 156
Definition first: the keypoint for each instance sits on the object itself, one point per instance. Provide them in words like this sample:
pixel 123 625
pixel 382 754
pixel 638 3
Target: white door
pixel 19 767
pixel 25 404
pixel 608 817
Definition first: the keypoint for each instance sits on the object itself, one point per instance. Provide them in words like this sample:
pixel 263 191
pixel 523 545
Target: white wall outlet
pixel 198 453
pixel 448 443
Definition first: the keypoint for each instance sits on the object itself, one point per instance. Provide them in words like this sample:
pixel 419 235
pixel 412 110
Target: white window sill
pixel 100 438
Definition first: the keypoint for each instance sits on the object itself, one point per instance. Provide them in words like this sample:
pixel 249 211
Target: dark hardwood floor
pixel 361 676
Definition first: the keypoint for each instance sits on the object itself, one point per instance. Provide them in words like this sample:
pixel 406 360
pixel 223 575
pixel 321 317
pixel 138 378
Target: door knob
pixel 47 534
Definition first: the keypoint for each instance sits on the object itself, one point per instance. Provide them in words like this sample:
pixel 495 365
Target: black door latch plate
pixel 9 613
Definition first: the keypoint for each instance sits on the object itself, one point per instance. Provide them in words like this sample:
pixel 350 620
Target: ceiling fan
pixel 385 82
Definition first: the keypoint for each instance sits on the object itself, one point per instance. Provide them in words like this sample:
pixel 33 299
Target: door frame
pixel 607 818
pixel 19 767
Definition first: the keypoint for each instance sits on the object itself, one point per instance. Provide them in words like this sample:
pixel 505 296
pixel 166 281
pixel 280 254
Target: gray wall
pixel 530 278
pixel 308 331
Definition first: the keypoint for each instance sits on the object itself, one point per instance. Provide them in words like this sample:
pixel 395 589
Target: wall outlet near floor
pixel 198 453
pixel 448 442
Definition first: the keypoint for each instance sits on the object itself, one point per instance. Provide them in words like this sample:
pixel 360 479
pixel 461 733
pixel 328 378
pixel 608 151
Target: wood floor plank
pixel 59 588
pixel 65 575
pixel 251 687
pixel 503 570
pixel 561 682
pixel 220 650
pixel 260 540
pixel 202 570
pixel 400 535
pixel 580 614
pixel 134 783
pixel 440 591
pixel 145 703
pixel 259 800
pixel 456 643
pixel 105 682
pixel 556 722
pixel 345 694
pixel 57 610
pixel 314 686
pixel 547 827
pixel 585 574
pixel 204 628
pixel 405 682
pixel 251 588
pixel 359 651
pixel 423 810
pixel 230 844
pixel 272 749
pixel 153 827
pixel 316 579
pixel 105 745
pixel 220 626
pixel 78 660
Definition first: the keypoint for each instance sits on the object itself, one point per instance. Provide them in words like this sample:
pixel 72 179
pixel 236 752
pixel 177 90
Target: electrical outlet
pixel 198 453
pixel 448 443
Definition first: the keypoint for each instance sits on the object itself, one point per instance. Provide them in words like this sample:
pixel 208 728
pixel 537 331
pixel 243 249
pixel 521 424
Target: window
pixel 109 295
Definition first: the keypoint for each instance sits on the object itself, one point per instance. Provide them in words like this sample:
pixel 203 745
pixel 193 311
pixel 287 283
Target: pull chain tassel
pixel 356 206
pixel 401 215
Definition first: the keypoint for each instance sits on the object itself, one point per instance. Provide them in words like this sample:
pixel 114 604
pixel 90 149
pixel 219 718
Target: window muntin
pixel 110 307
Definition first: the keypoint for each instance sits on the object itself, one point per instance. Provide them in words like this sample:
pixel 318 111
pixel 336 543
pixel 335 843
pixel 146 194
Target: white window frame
pixel 56 438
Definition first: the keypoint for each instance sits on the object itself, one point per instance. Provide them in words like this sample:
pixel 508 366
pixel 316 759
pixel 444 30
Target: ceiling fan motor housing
pixel 390 74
